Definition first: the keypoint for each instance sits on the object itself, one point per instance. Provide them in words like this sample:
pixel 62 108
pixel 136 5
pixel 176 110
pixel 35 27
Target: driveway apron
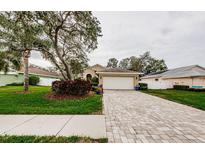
pixel 133 116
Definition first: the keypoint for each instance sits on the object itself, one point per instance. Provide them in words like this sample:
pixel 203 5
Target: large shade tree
pixel 125 63
pixel 150 64
pixel 77 67
pixel 145 63
pixel 19 34
pixel 135 64
pixel 112 63
pixel 72 36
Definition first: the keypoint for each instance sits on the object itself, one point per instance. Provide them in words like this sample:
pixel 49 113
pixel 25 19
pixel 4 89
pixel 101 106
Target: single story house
pixel 193 76
pixel 46 77
pixel 112 78
pixel 116 78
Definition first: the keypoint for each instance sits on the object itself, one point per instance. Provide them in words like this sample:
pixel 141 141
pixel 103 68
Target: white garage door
pixel 118 83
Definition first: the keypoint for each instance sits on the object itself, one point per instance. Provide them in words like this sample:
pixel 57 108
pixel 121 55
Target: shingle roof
pixel 187 71
pixel 40 71
pixel 116 70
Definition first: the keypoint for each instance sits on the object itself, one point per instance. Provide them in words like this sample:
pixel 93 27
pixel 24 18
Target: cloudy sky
pixel 176 37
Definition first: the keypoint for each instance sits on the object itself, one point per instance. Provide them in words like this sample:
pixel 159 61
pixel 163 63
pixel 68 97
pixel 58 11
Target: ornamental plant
pixel 71 87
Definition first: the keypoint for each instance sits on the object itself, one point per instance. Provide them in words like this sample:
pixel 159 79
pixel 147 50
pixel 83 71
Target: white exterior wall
pixel 169 83
pixel 181 81
pixel 160 84
pixel 46 81
pixel 199 82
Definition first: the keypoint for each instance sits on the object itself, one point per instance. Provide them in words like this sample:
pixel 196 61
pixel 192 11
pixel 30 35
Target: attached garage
pixel 118 82
pixel 118 79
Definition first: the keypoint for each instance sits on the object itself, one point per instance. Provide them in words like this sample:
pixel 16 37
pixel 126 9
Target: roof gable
pixel 188 71
pixel 40 71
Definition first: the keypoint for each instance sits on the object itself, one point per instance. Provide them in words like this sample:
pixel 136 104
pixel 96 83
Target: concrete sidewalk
pixel 60 125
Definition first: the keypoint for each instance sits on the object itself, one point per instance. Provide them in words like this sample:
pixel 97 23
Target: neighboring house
pixel 46 77
pixel 193 76
pixel 117 78
pixel 90 72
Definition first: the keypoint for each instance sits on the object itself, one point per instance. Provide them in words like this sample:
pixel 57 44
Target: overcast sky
pixel 176 37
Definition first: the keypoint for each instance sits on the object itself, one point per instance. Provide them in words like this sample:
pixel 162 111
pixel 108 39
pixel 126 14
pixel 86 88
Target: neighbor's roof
pixel 187 71
pixel 40 71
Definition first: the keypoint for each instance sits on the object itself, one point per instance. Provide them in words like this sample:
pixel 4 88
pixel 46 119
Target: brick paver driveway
pixel 137 117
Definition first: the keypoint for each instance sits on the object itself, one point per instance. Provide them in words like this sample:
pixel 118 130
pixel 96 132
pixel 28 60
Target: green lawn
pixel 12 101
pixel 50 139
pixel 194 99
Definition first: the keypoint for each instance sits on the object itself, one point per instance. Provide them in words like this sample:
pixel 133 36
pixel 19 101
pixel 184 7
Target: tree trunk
pixel 26 74
pixel 69 72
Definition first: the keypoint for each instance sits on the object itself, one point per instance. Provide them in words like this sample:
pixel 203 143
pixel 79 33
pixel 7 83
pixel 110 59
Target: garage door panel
pixel 118 83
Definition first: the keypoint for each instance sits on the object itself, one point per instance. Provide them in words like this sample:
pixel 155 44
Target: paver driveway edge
pixel 132 116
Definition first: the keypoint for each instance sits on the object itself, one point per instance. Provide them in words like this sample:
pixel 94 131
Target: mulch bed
pixel 54 96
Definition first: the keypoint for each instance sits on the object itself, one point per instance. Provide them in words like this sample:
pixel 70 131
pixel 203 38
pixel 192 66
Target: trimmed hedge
pixel 143 86
pixel 34 80
pixel 181 87
pixel 15 84
pixel 196 90
pixel 95 81
pixel 72 87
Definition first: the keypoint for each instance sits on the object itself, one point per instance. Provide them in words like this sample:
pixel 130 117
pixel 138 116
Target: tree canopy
pixel 63 37
pixel 125 63
pixel 144 63
pixel 72 36
pixel 10 60
pixel 112 63
pixel 19 33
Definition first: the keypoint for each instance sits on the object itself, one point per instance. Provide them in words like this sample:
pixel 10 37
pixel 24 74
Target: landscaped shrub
pixel 71 87
pixel 181 87
pixel 94 88
pixel 99 91
pixel 95 81
pixel 34 80
pixel 143 86
pixel 15 84
pixel 196 90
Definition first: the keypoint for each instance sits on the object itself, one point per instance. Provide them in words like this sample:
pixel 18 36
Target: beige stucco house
pixel 90 72
pixel 193 76
pixel 114 78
